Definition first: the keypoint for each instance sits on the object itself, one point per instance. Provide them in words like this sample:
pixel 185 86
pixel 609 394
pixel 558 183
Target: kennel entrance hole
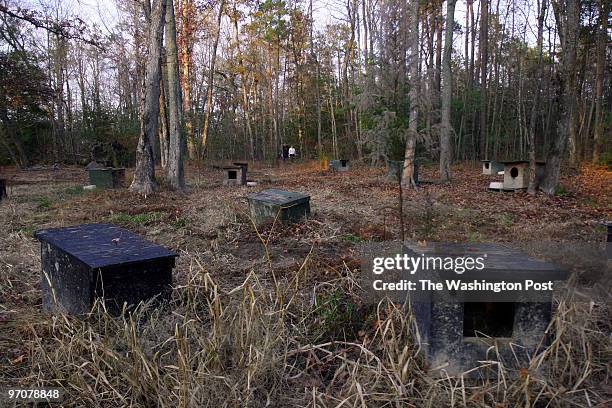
pixel 495 319
pixel 232 175
pixel 514 172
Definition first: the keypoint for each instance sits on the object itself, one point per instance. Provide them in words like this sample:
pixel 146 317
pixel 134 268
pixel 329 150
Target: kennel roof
pixel 279 197
pixel 101 245
pixel 499 259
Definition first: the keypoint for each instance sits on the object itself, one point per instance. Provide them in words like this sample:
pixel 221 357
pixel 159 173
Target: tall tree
pixel 408 171
pixel 484 60
pixel 602 43
pixel 536 99
pixel 185 42
pixel 567 16
pixel 175 169
pixel 446 129
pixel 144 175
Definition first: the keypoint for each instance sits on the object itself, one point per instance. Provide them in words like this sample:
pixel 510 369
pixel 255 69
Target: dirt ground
pixel 209 226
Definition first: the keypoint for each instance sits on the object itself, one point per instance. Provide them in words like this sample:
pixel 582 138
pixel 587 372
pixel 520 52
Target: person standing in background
pixel 291 152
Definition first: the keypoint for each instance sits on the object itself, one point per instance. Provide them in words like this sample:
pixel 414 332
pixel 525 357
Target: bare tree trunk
pixel 366 59
pixel 144 174
pixel 602 40
pixel 318 73
pixel 333 123
pixel 164 137
pixel 211 77
pixel 567 16
pixel 446 128
pixel 484 60
pixel 187 13
pixel 430 106
pixel 533 186
pixel 408 171
pixel 175 170
pixel 59 125
pixel 439 21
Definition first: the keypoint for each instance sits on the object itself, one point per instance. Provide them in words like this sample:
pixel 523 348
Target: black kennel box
pixel 85 262
pixel 461 330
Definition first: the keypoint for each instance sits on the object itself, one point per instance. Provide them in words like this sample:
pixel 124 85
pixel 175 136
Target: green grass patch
pixel 181 222
pixel 351 238
pixel 506 220
pixel 27 231
pixel 475 236
pixel 44 203
pixel 336 317
pixel 137 219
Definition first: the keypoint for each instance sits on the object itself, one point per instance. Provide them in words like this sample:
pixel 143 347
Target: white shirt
pixel 292 150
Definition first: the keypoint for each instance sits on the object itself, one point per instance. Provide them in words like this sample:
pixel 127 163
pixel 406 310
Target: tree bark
pixel 175 169
pixel 164 137
pixel 533 185
pixel 446 128
pixel 567 16
pixel 438 21
pixel 144 175
pixel 602 40
pixel 318 73
pixel 187 13
pixel 484 60
pixel 408 170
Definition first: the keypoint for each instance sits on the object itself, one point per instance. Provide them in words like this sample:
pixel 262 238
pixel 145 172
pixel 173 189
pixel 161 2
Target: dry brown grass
pixel 273 317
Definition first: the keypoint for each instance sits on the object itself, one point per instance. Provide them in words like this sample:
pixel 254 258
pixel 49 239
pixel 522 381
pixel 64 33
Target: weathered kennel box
pixel 245 167
pixel 107 177
pixel 234 175
pixel 85 262
pixel 271 203
pixel 491 167
pixel 516 174
pixel 339 165
pixel 460 333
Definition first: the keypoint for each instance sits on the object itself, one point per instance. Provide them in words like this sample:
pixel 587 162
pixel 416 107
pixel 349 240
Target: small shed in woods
pixel 516 174
pixel 491 167
pixel 85 262
pixel 234 175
